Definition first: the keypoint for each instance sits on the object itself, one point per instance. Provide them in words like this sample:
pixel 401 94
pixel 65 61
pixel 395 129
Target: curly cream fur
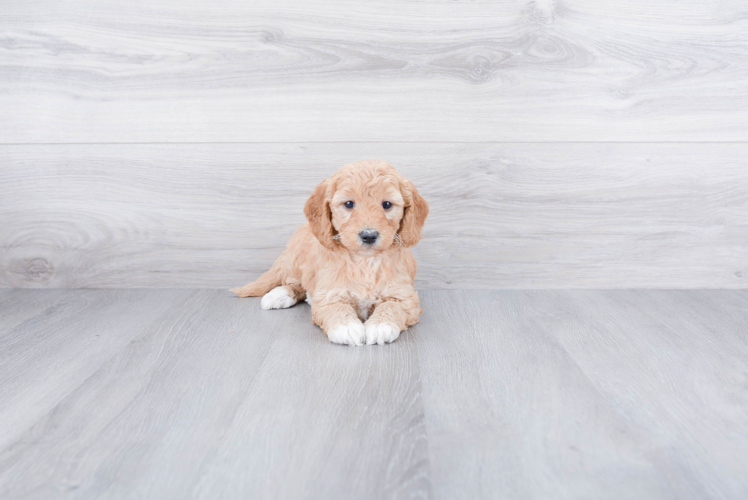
pixel 346 281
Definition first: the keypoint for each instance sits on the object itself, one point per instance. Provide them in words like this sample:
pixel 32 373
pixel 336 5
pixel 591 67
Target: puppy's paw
pixel 353 333
pixel 277 298
pixel 381 333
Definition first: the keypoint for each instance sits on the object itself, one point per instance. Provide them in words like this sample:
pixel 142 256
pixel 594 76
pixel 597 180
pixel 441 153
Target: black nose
pixel 368 236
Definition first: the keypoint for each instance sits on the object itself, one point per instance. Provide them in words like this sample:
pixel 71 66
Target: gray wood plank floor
pixel 494 394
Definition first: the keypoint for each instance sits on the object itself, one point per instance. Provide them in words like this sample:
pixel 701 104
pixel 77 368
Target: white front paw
pixel 351 334
pixel 277 298
pixel 381 333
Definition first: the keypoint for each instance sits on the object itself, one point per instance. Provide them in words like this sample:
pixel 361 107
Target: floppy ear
pixel 414 217
pixel 317 211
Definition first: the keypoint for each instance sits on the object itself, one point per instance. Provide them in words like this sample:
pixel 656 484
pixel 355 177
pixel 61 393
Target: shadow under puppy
pixel 351 260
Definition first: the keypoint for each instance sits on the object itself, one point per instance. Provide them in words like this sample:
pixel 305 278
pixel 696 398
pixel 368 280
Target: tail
pixel 263 284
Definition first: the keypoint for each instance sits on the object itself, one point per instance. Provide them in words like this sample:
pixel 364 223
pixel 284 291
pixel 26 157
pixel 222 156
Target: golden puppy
pixel 351 260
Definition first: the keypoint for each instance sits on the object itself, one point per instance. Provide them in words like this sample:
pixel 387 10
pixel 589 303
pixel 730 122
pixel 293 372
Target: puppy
pixel 351 260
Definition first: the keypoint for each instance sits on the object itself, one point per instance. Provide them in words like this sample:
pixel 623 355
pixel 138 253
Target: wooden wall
pixel 172 143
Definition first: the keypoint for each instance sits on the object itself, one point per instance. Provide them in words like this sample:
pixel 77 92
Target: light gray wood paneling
pixel 218 399
pixel 580 394
pixel 328 70
pixel 493 394
pixel 502 215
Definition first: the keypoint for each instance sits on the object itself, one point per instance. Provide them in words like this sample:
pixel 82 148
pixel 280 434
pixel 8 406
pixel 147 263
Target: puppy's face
pixel 367 215
pixel 366 207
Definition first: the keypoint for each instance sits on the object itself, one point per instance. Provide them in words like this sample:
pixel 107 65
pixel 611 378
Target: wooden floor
pixel 494 394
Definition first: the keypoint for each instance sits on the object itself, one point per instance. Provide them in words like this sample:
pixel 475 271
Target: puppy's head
pixel 366 207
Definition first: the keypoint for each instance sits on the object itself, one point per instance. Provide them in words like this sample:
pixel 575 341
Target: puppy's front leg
pixel 390 318
pixel 339 321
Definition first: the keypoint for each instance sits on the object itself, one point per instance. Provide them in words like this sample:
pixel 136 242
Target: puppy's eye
pixel 386 205
pixel 349 204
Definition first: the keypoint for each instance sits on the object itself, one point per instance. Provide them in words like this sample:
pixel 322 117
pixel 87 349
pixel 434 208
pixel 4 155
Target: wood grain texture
pixel 686 359
pixel 16 308
pixel 502 215
pixel 219 399
pixel 328 70
pixel 493 394
pixel 582 394
pixel 42 358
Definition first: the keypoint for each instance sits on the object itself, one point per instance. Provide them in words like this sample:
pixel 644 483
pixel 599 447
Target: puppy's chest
pixel 365 288
pixel 365 305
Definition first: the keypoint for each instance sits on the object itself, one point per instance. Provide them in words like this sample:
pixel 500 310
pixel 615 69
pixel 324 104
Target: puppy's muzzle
pixel 368 237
